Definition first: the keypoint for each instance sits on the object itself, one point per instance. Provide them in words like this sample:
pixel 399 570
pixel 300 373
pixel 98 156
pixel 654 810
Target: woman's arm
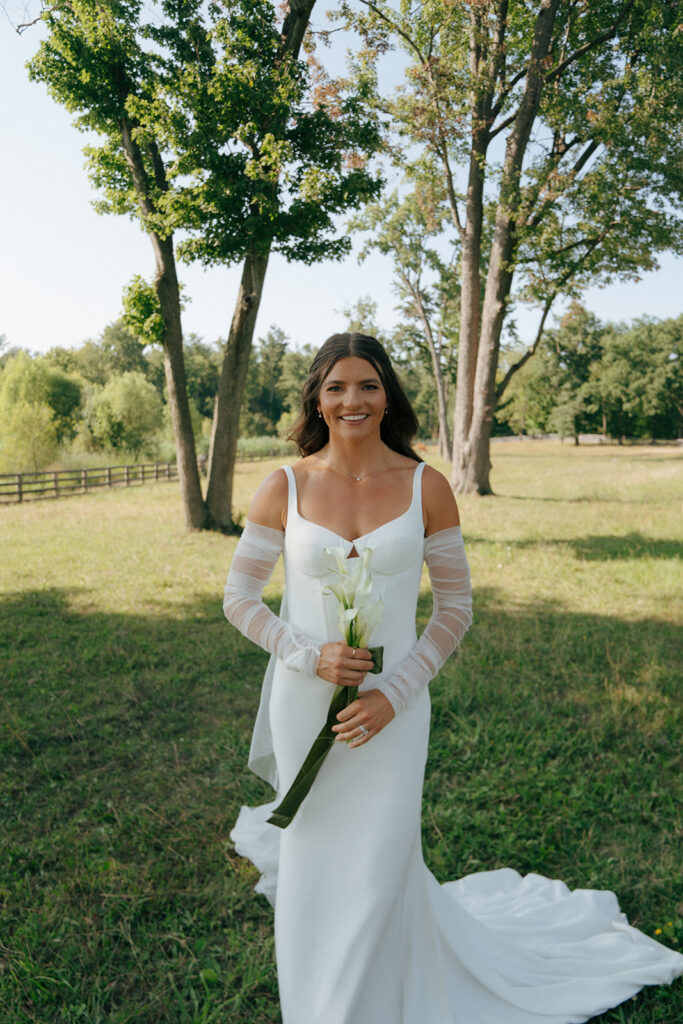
pixel 252 566
pixel 439 510
pixel 257 551
pixel 449 574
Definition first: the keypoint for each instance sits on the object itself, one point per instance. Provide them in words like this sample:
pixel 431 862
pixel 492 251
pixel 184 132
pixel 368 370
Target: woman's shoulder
pixel 269 504
pixel 439 506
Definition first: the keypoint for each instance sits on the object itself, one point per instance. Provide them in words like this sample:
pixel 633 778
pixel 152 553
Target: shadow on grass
pixel 124 738
pixel 630 545
pixel 601 548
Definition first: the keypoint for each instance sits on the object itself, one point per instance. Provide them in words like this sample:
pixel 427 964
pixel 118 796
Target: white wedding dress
pixel 364 933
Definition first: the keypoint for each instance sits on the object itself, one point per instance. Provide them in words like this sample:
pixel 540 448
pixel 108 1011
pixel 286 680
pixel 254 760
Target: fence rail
pixel 59 483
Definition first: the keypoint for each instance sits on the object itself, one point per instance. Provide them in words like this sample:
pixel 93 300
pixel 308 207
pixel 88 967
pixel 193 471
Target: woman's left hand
pixel 371 710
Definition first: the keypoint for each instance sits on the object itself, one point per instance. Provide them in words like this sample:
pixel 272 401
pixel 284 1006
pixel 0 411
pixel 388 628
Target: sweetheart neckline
pixel 333 533
pixel 362 536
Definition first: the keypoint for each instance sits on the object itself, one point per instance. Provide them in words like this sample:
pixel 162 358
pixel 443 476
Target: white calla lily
pixel 358 613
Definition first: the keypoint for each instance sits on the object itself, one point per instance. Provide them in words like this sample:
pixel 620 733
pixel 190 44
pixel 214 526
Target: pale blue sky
pixel 63 267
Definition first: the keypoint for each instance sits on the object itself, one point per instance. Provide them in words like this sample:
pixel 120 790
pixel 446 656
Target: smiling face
pixel 352 399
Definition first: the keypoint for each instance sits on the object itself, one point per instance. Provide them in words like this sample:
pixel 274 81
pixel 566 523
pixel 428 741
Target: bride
pixel 364 934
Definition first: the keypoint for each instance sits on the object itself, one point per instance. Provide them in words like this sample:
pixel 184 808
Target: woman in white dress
pixel 364 934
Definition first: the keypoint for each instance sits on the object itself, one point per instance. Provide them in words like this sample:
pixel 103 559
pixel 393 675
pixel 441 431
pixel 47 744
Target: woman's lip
pixel 357 417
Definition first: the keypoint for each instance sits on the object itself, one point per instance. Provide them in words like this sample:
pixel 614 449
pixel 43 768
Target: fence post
pixel 84 479
pixel 55 482
pixel 20 493
pixel 156 470
pixel 168 470
pixel 127 475
pixel 108 476
pixel 142 472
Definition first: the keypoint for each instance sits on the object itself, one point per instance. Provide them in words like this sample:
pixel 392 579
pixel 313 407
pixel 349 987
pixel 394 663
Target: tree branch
pixel 504 93
pixel 55 7
pixel 578 166
pixel 397 29
pixel 502 126
pixel 591 44
pixel 512 370
pixel 450 188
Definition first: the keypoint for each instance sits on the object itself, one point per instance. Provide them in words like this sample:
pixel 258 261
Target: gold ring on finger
pixel 353 652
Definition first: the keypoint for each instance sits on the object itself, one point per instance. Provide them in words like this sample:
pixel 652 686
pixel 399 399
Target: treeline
pixel 617 380
pixel 108 397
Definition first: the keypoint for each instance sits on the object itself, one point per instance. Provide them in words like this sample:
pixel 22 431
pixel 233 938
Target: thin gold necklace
pixel 352 476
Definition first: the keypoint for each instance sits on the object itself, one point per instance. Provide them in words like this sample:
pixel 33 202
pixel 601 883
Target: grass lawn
pixel 126 705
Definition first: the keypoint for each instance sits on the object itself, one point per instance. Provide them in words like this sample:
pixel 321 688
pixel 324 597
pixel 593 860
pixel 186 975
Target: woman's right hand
pixel 343 665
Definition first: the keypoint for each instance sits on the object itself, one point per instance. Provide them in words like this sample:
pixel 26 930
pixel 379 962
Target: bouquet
pixel 358 616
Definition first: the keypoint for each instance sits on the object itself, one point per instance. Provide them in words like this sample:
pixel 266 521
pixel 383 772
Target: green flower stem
pixel 289 805
pixel 306 776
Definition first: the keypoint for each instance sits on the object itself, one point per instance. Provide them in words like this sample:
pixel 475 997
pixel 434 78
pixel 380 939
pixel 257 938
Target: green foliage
pixel 553 131
pixel 28 435
pixel 275 377
pixel 126 413
pixel 263 398
pixel 123 350
pixel 610 379
pixel 202 371
pixel 569 352
pixel 233 144
pixel 638 382
pixel 142 312
pixel 36 382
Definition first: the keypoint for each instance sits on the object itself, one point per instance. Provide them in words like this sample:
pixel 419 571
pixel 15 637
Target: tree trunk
pixel 166 286
pixel 475 401
pixel 168 293
pixel 226 414
pixel 470 291
pixel 441 398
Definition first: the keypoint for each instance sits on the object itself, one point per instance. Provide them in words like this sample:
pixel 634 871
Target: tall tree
pixel 95 62
pixel 268 152
pixel 556 129
pixel 218 129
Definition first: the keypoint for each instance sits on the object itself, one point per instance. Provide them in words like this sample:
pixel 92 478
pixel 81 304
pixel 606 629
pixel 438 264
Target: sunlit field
pixel 126 704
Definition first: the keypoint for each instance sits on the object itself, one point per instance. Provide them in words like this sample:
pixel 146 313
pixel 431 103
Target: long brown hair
pixel 398 427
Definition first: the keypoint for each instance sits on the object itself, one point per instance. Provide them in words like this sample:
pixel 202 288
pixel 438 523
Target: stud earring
pixel 386 411
pixel 320 415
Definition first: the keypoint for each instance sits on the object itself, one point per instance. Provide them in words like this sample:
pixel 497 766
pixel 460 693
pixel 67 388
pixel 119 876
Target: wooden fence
pixel 60 483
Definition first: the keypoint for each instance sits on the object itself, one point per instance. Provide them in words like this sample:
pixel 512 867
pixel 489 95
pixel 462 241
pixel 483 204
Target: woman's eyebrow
pixel 367 380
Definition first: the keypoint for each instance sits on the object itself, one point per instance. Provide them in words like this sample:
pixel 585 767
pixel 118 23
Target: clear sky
pixel 63 267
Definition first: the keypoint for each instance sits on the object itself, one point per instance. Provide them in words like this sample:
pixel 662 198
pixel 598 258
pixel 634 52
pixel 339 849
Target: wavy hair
pixel 398 427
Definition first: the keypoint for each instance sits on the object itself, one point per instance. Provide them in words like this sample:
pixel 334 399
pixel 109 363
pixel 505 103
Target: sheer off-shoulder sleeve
pixel 451 618
pixel 252 566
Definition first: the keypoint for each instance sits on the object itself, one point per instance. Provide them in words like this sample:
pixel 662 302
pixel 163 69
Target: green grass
pixel 126 704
